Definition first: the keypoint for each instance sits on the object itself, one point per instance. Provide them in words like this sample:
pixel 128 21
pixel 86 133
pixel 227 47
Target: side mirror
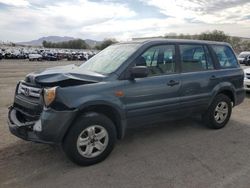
pixel 139 72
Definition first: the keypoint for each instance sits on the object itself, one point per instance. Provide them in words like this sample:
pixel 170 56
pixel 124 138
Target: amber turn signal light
pixel 49 95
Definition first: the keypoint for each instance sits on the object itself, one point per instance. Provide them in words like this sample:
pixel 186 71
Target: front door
pixel 156 97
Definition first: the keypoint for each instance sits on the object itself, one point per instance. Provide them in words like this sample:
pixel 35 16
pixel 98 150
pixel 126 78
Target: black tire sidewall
pixel 209 116
pixel 81 123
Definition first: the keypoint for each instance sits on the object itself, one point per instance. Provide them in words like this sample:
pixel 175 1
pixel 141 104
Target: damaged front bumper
pixel 50 128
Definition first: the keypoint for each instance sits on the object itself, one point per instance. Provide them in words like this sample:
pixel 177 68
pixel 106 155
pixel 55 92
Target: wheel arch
pixel 227 90
pixel 114 113
pixel 229 93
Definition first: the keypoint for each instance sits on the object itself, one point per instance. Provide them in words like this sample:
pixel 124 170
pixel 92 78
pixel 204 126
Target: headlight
pixel 49 95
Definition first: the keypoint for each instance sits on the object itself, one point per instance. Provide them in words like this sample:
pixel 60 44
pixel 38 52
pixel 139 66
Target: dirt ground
pixel 173 154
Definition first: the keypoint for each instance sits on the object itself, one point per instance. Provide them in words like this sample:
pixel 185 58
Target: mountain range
pixel 54 39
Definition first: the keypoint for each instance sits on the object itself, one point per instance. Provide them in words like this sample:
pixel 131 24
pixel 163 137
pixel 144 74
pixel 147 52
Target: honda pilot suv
pixel 86 109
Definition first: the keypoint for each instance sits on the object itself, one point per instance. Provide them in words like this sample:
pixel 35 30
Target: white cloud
pixel 61 18
pixel 210 12
pixel 86 11
pixel 184 16
pixel 131 28
pixel 26 20
pixel 18 3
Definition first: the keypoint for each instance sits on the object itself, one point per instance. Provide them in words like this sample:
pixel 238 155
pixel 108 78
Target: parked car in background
pixel 9 55
pixel 244 58
pixel 86 109
pixel 50 54
pixel 35 57
pixel 72 56
pixel 50 57
pixel 1 56
pixel 247 79
pixel 61 55
pixel 91 54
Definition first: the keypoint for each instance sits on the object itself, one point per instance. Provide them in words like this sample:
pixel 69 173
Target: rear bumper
pixel 50 128
pixel 240 96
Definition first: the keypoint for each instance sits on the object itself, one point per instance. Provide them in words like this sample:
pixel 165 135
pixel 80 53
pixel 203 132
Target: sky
pixel 24 20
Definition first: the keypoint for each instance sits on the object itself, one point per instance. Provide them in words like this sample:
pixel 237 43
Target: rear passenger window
pixel 225 56
pixel 195 58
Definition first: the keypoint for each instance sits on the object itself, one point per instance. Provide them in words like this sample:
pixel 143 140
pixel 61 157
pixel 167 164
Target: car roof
pixel 158 41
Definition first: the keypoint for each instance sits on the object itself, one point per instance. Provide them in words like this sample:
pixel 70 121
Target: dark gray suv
pixel 86 109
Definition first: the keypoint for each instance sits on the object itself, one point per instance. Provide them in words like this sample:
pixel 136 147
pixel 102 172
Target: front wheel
pixel 90 140
pixel 219 112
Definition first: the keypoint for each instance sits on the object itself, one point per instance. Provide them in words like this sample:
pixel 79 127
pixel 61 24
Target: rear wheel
pixel 219 112
pixel 90 140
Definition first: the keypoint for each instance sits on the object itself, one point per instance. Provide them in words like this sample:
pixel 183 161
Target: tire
pixel 81 133
pixel 218 113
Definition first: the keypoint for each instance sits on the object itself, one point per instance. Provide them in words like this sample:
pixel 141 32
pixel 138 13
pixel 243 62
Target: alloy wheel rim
pixel 92 141
pixel 221 112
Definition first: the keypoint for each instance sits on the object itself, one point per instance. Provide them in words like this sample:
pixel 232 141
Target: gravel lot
pixel 173 154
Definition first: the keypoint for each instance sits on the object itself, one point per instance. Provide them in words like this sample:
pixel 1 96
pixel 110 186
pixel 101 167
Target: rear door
pixel 230 71
pixel 156 97
pixel 198 77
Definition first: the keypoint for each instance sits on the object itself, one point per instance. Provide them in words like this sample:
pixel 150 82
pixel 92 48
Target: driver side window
pixel 160 60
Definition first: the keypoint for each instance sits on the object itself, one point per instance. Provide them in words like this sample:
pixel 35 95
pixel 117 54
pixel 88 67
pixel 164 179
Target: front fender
pixel 79 97
pixel 82 102
pixel 93 100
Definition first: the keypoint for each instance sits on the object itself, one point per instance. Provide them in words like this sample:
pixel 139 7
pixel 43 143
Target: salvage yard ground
pixel 173 154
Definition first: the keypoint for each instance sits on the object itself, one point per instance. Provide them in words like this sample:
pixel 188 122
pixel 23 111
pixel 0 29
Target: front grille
pixel 29 91
pixel 29 111
pixel 27 101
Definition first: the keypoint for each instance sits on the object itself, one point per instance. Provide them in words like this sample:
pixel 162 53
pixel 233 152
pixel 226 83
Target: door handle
pixel 213 77
pixel 173 83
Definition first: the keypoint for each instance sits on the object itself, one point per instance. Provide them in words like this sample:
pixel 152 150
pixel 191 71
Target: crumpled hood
pixel 63 76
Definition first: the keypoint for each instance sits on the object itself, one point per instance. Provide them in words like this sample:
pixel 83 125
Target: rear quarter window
pixel 225 56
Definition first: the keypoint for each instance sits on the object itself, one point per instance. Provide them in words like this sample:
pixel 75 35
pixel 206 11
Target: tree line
pixel 105 44
pixel 237 43
pixel 71 44
pixel 78 44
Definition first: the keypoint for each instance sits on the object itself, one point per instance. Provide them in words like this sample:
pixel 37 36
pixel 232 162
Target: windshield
pixel 243 55
pixel 110 59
